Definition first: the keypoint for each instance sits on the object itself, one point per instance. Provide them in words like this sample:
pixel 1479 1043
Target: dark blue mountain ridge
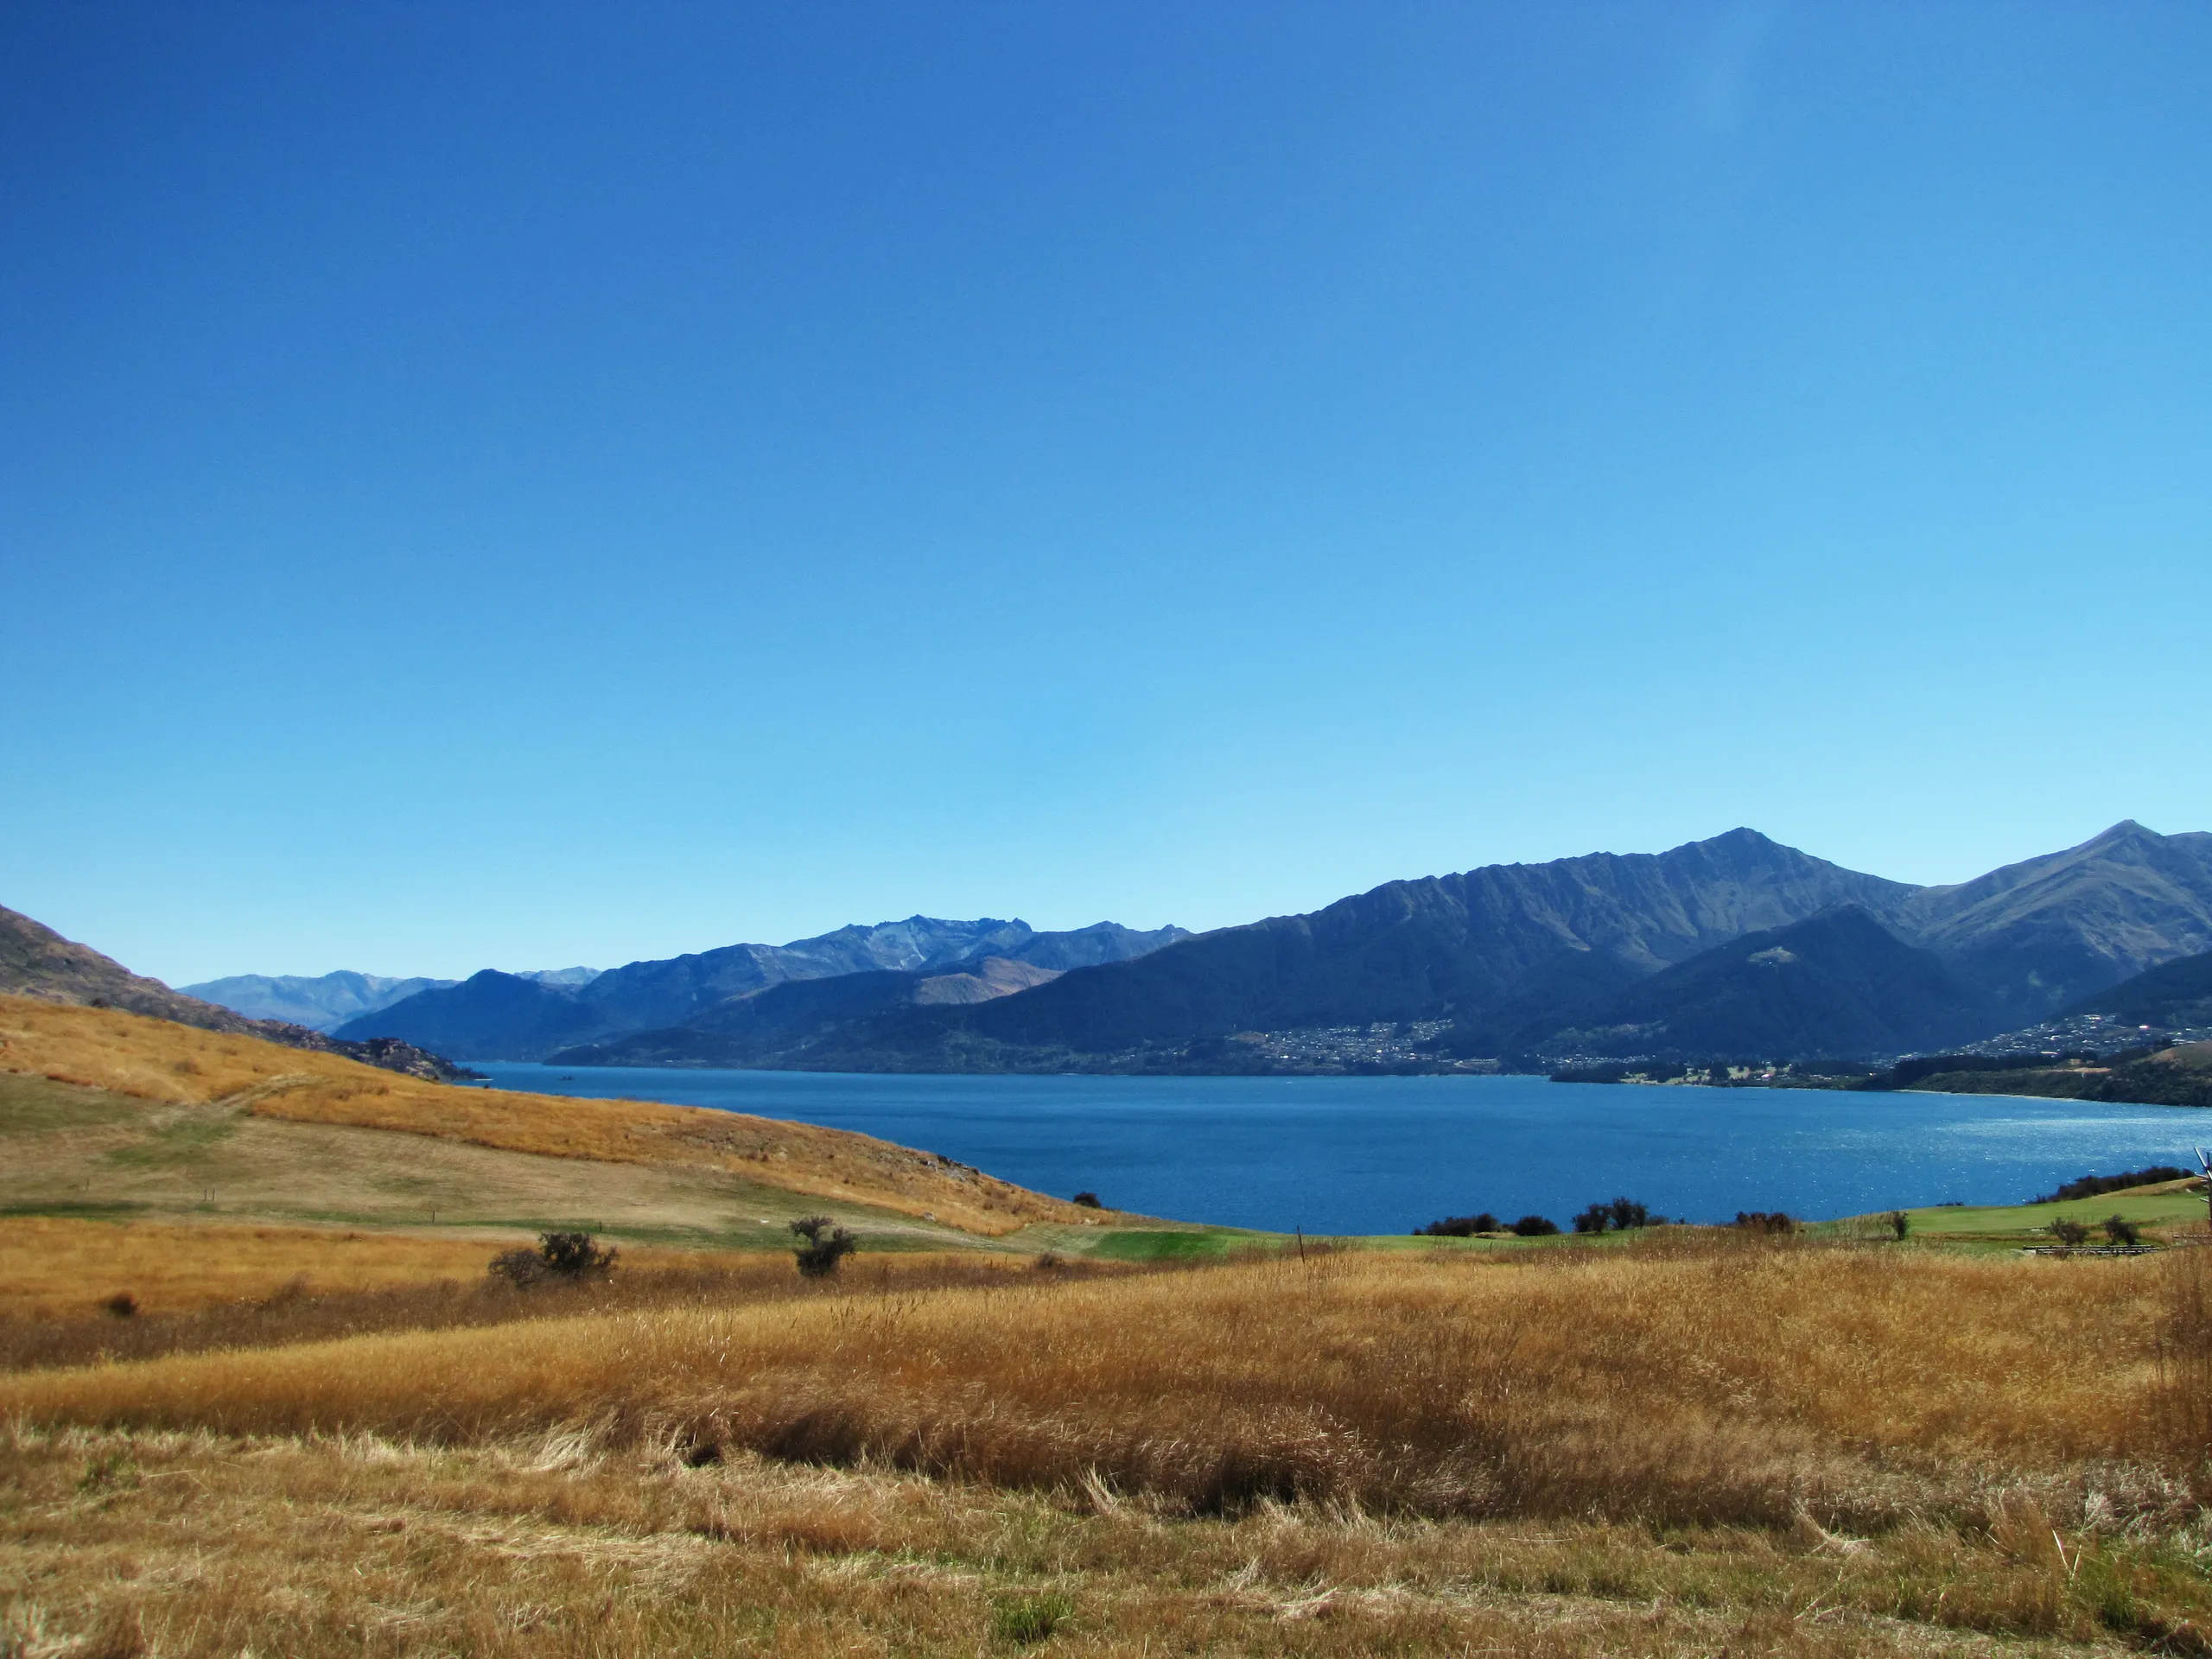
pixel 1838 985
pixel 493 1015
pixel 1512 955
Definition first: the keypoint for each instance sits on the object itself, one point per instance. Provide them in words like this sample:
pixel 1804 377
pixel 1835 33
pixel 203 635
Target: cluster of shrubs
pixel 2073 1234
pixel 1767 1221
pixel 1615 1215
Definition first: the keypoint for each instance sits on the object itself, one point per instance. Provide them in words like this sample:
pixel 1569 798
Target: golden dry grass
pixel 58 1267
pixel 1728 1382
pixel 156 1060
pixel 195 1547
pixel 1719 1448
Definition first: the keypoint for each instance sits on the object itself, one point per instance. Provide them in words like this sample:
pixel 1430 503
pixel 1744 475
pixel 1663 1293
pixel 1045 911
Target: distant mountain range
pixel 327 1001
pixel 1736 947
pixel 1609 954
pixel 498 1016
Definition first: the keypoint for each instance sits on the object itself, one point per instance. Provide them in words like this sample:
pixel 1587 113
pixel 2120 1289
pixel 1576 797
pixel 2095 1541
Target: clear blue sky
pixel 523 484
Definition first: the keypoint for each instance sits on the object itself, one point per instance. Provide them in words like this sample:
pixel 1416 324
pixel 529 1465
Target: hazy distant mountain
pixel 327 1001
pixel 322 1004
pixel 36 961
pixel 2041 934
pixel 2177 995
pixel 501 1016
pixel 1838 985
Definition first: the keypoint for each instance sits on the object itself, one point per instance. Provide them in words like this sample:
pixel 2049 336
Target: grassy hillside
pixel 1698 1444
pixel 217 1084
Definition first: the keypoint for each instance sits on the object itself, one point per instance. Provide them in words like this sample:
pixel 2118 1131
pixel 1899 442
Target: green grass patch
pixel 1157 1244
pixel 34 1105
pixel 175 1143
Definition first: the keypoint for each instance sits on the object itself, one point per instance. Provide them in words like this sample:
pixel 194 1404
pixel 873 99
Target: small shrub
pixel 1088 1200
pixel 1461 1226
pixel 122 1305
pixel 1048 1263
pixel 826 1245
pixel 1028 1619
pixel 1535 1227
pixel 1595 1219
pixel 2069 1232
pixel 1625 1213
pixel 569 1256
pixel 1900 1223
pixel 2120 1231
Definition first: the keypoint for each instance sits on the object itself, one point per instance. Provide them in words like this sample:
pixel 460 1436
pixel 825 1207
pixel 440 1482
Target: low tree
pixel 2069 1232
pixel 2120 1231
pixel 1535 1227
pixel 1766 1221
pixel 1625 1213
pixel 1900 1223
pixel 568 1257
pixel 1088 1200
pixel 823 1245
pixel 1595 1219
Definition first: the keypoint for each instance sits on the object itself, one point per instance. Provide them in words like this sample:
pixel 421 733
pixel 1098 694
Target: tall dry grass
pixel 285 1312
pixel 157 1060
pixel 60 1267
pixel 1719 1381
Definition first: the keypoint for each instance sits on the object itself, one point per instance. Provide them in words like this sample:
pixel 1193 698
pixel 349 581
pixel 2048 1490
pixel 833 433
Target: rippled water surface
pixel 1384 1155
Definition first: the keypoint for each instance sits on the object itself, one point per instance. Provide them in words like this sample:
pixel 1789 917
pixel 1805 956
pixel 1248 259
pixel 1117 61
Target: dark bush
pixel 2120 1231
pixel 1535 1227
pixel 1461 1226
pixel 2069 1232
pixel 1900 1223
pixel 122 1304
pixel 1088 1200
pixel 1595 1219
pixel 567 1256
pixel 826 1245
pixel 1766 1221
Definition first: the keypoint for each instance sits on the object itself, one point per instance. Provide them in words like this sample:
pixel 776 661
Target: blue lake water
pixel 1385 1155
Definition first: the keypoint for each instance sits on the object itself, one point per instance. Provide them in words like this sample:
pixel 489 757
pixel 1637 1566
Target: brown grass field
pixel 1698 1444
pixel 344 1439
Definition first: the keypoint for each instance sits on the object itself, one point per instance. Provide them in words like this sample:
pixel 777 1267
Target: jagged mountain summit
pixel 501 1016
